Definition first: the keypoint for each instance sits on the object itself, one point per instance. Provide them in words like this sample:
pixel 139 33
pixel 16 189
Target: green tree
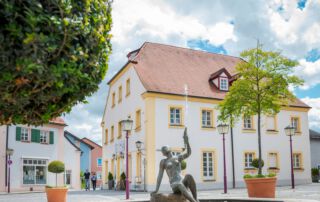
pixel 53 54
pixel 262 87
pixel 56 167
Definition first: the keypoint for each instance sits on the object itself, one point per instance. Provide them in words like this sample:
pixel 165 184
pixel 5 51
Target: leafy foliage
pixel 255 163
pixel 53 54
pixel 262 87
pixel 314 171
pixel 83 184
pixel 56 167
pixel 272 175
pixel 248 176
pixel 123 176
pixel 110 176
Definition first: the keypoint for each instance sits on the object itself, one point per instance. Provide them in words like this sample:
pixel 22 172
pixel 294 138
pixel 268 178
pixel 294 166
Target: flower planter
pixel 315 178
pixel 110 184
pixel 261 187
pixel 57 194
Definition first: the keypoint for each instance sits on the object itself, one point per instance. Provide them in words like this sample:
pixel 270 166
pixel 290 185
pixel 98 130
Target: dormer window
pixel 224 84
pixel 221 79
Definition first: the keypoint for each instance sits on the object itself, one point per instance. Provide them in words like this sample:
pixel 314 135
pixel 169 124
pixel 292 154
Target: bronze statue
pixel 172 165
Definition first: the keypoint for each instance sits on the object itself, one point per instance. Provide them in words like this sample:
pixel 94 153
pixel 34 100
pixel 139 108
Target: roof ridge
pixel 79 139
pixel 92 141
pixel 190 49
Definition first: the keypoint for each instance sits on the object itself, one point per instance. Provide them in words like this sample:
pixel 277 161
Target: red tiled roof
pixel 58 120
pixel 166 69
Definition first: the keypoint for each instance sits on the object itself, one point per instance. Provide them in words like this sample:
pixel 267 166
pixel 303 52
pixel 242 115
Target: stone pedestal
pixel 168 198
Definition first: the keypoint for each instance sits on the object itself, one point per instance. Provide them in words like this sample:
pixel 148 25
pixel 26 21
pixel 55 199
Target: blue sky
pixel 220 26
pixel 312 56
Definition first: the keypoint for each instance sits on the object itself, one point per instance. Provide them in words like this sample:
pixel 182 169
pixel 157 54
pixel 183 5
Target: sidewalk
pixel 302 193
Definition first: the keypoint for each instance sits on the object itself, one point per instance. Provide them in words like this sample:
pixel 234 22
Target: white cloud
pixel 309 71
pixel 314 113
pixel 312 35
pixel 293 31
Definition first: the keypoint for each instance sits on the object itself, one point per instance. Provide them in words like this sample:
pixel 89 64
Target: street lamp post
pixel 223 129
pixel 127 126
pixel 290 131
pixel 138 145
pixel 9 154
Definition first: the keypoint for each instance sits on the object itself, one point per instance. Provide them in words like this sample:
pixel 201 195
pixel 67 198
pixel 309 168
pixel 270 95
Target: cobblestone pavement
pixel 302 193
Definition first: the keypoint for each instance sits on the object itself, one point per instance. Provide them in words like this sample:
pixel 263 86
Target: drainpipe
pixel 232 153
pixel 7 141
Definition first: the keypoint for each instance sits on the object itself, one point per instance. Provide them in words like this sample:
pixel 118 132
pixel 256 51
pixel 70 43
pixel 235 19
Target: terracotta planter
pixel 58 194
pixel 261 187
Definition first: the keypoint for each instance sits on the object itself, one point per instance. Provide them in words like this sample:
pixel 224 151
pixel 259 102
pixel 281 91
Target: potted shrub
pixel 123 181
pixel 315 174
pixel 261 186
pixel 110 181
pixel 56 194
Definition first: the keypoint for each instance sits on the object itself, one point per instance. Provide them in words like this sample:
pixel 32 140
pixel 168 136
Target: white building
pixel 34 148
pixel 150 88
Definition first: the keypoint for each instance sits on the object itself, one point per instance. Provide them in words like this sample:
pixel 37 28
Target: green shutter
pixel 51 137
pixel 35 135
pixel 18 133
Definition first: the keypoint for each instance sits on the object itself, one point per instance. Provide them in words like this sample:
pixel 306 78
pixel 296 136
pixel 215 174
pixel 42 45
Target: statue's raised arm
pixel 179 184
pixel 187 151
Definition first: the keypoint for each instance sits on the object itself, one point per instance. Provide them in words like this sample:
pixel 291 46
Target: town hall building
pixel 151 89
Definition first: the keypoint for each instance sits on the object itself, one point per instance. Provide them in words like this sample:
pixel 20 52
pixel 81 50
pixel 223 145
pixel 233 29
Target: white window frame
pixel 247 122
pixel 67 172
pixel 174 112
pixel 207 116
pixel 207 164
pixel 272 120
pixel 44 137
pixel 24 134
pixel 275 156
pixel 35 163
pixel 295 122
pixel 297 156
pixel 248 158
pixel 224 86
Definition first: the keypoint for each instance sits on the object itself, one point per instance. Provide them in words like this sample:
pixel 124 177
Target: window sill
pixel 119 137
pixel 208 128
pixel 250 170
pixel 272 131
pixel 111 141
pixel 249 130
pixel 212 180
pixel 119 101
pixel 273 170
pixel 176 126
pixel 137 129
pixel 298 133
pixel 113 106
pixel 25 141
pixel 299 169
pixel 127 94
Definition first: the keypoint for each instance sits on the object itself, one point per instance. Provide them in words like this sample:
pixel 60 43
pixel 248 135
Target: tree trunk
pixel 259 143
pixel 56 180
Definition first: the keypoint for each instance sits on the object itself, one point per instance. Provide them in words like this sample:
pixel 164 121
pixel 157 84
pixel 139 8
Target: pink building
pixel 96 159
pixel 34 147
